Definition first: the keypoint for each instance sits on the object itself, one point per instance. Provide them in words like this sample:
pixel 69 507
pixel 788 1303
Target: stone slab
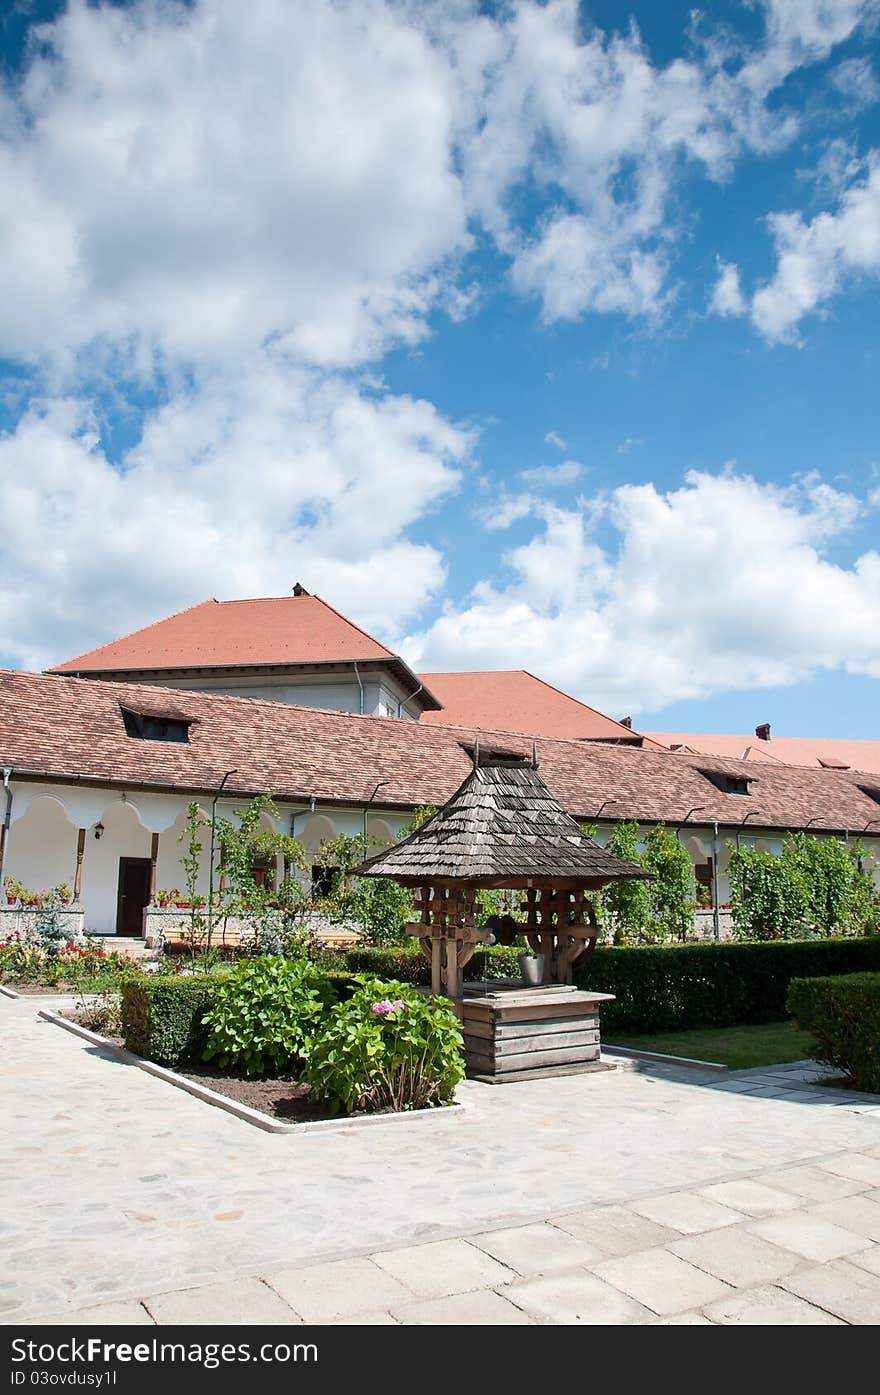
pixel 858 1167
pixel 855 1213
pixel 338 1290
pixel 814 1183
pixel 220 1305
pixel 483 1309
pixel 808 1235
pixel 687 1212
pixel 752 1198
pixel 535 1249
pixel 840 1288
pixel 443 1267
pixel 576 1298
pixel 768 1306
pixel 121 1314
pixel 615 1230
pixel 737 1257
pixel 660 1281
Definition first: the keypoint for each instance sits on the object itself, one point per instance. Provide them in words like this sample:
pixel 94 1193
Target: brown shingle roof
pixel 502 823
pixel 72 728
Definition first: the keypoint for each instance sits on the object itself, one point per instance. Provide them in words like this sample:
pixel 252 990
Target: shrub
pixel 387 1047
pixel 162 1016
pixel 843 1016
pixel 411 966
pixel 262 1013
pixel 671 988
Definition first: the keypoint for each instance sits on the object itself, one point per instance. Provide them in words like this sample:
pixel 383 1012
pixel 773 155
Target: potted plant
pixel 163 896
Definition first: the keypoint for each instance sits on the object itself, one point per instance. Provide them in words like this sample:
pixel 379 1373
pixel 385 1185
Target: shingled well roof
pixel 72 729
pixel 501 823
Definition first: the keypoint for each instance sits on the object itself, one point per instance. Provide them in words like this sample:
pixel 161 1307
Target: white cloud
pixel 567 472
pixel 857 83
pixel 554 439
pixel 727 296
pixel 626 445
pixel 193 182
pixel 231 492
pixel 816 258
pixel 721 584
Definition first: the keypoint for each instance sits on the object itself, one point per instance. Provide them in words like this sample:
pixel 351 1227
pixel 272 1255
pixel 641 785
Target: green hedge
pixel 670 988
pixel 411 966
pixel 162 1016
pixel 843 1016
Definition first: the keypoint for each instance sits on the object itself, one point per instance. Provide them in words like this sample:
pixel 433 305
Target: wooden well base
pixel 526 1033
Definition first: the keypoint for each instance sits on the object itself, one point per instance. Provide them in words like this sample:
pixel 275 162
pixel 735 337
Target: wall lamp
pixel 98 830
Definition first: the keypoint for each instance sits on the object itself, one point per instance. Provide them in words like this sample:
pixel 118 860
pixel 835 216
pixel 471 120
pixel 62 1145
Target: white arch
pixel 379 831
pixel 318 829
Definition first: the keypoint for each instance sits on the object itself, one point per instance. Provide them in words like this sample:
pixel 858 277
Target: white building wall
pixel 382 697
pixel 41 847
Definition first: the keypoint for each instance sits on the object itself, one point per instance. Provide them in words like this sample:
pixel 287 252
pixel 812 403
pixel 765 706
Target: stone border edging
pixel 8 992
pixel 658 1056
pixel 231 1106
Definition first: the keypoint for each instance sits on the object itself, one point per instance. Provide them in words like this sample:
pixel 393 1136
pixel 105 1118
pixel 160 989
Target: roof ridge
pixel 553 688
pixel 360 629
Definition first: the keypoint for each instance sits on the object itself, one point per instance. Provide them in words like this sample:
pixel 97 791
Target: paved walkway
pixel 632 1196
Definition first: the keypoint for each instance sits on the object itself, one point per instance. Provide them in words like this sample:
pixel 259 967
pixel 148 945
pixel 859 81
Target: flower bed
pixel 335 1043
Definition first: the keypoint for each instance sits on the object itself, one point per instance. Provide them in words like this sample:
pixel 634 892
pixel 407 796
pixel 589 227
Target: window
pixel 728 784
pixel 324 879
pixel 145 726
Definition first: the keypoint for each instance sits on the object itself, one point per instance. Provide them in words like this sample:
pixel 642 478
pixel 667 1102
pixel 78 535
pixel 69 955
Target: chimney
pixel 763 731
pixel 626 722
pixel 299 590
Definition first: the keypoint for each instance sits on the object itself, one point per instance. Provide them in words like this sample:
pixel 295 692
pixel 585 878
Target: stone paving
pixel 640 1195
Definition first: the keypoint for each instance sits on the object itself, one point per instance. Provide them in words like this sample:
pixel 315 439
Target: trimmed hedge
pixel 162 1016
pixel 842 1014
pixel 411 966
pixel 670 988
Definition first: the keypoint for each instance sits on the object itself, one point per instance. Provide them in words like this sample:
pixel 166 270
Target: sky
pixel 529 335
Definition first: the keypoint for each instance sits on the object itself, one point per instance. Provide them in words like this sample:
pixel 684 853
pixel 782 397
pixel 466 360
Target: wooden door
pixel 134 893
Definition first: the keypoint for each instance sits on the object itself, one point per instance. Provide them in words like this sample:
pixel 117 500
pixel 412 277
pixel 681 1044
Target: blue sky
pixel 529 335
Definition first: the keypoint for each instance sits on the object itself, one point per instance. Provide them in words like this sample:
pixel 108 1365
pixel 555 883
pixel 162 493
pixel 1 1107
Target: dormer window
pixel 151 726
pixel 728 784
pixel 871 792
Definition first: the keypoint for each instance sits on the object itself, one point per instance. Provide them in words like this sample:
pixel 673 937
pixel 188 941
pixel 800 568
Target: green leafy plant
pixel 624 907
pixel 386 1047
pixel 842 1015
pixel 262 1014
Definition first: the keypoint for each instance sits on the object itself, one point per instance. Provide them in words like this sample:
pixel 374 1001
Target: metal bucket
pixel 531 967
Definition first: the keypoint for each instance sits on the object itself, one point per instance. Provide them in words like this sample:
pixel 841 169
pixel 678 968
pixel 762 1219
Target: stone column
pixel 77 876
pixel 154 858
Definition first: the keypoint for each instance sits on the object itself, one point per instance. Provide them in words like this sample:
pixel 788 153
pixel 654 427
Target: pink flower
pixel 385 1007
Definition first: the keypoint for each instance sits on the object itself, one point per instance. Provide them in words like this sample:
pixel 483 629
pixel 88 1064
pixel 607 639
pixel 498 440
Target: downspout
pixel 296 813
pixel 7 818
pixel 716 914
pixel 360 685
pixel 410 698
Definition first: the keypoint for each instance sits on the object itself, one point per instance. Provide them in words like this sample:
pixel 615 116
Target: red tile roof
pixel 70 729
pixel 515 700
pixel 274 631
pixel 828 752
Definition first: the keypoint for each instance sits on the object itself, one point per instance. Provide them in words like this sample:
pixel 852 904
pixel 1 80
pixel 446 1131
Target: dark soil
pixel 280 1098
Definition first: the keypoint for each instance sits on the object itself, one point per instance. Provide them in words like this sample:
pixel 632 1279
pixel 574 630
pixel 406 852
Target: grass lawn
pixel 755 1044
